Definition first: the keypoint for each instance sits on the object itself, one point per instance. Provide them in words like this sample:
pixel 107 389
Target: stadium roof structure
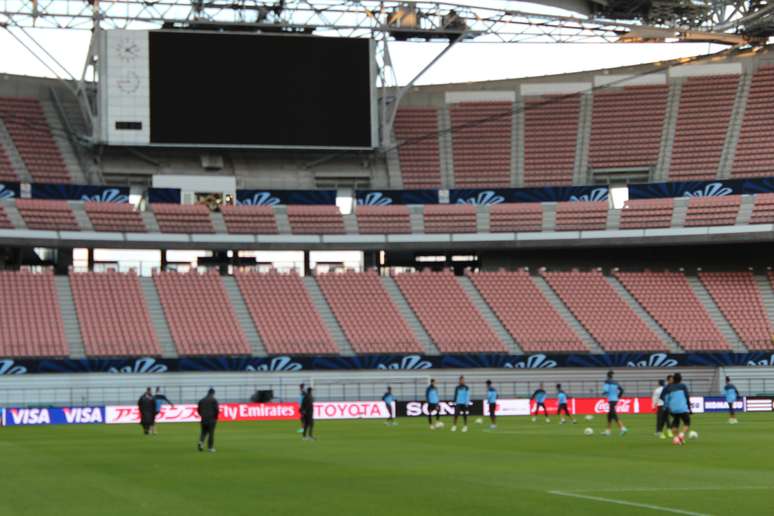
pixel 534 21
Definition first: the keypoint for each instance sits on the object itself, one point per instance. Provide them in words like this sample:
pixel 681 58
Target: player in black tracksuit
pixel 147 406
pixel 208 409
pixel 307 414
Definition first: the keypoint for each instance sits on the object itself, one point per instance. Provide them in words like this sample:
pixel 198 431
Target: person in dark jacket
pixel 147 407
pixel 159 399
pixel 307 413
pixel 208 410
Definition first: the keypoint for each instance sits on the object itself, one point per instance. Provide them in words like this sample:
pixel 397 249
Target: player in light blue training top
pixel 389 401
pixel 678 400
pixel 491 399
pixel 461 402
pixel 563 410
pixel 613 391
pixel 433 405
pixel 540 401
pixel 732 394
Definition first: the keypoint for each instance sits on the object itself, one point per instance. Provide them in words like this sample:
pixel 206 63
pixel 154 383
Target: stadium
pixel 531 293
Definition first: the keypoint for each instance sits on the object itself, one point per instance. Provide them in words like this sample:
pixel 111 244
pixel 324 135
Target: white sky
pixel 466 62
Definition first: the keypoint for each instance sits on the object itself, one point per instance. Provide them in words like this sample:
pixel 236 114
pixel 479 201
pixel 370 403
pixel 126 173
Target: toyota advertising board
pixel 351 410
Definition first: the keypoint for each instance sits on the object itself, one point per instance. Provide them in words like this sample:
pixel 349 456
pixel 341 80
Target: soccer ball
pixel 589 417
pixel 479 420
pixel 588 431
pixel 439 424
pixel 678 441
pixel 693 434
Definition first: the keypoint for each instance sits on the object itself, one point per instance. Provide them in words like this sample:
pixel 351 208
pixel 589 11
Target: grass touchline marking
pixel 650 489
pixel 624 502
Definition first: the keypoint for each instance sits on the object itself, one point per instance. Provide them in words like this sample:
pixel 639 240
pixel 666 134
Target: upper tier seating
pixel 47 215
pixel 113 315
pixel 646 213
pixel 481 141
pixel 183 218
pixel 550 140
pixel 113 216
pixel 670 300
pixel 755 149
pixel 626 127
pixel 447 313
pixel 516 217
pixel 199 312
pixel 367 315
pixel 313 220
pixel 383 219
pixel 603 312
pixel 582 215
pixel 284 314
pixel 416 129
pixel 763 209
pixel 7 173
pixel 739 299
pixel 32 137
pixel 450 218
pixel 30 318
pixel 526 313
pixel 705 109
pixel 712 211
pixel 254 220
pixel 5 223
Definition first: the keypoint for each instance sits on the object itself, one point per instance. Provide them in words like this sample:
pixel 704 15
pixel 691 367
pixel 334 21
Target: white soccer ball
pixel 693 434
pixel 589 417
pixel 588 431
pixel 479 420
pixel 439 424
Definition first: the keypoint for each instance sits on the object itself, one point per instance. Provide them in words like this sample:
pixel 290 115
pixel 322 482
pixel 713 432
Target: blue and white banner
pixel 381 362
pixel 390 197
pixel 10 191
pixel 720 188
pixel 719 404
pixel 539 194
pixel 275 197
pixel 54 416
pixel 80 192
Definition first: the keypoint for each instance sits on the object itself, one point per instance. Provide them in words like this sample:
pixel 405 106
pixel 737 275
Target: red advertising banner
pixel 600 406
pixel 186 413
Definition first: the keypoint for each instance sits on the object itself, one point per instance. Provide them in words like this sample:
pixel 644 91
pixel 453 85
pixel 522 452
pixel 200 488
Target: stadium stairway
pixel 745 210
pixel 72 327
pixel 326 314
pixel 63 144
pixel 17 163
pixel 668 132
pixel 243 316
pixel 489 315
pixel 13 215
pixel 714 312
pixel 565 314
pixel 580 171
pixel 445 148
pixel 218 222
pixel 734 126
pixel 409 316
pixel 150 221
pixel 81 217
pixel 651 323
pixel 767 295
pixel 281 218
pixel 393 166
pixel 158 319
pixel 517 143
pixel 679 211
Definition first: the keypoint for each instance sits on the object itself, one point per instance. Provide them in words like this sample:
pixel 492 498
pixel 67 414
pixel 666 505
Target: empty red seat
pixel 30 319
pixel 366 313
pixel 646 213
pixel 763 209
pixel 199 312
pixel 47 215
pixel 111 216
pixel 450 218
pixel 581 215
pixel 284 314
pixel 713 211
pixel 526 313
pixel 383 219
pixel 550 139
pixel 113 315
pixel 255 220
pixel 754 156
pixel 447 313
pixel 183 218
pixel 7 173
pixel 315 220
pixel 603 313
pixel 481 144
pixel 516 217
pixel 416 129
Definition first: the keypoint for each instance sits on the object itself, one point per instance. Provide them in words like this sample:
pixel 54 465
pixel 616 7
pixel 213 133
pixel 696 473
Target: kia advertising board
pixel 54 416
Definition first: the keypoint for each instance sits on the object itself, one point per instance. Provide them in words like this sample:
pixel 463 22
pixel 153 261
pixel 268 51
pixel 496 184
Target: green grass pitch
pixel 367 468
